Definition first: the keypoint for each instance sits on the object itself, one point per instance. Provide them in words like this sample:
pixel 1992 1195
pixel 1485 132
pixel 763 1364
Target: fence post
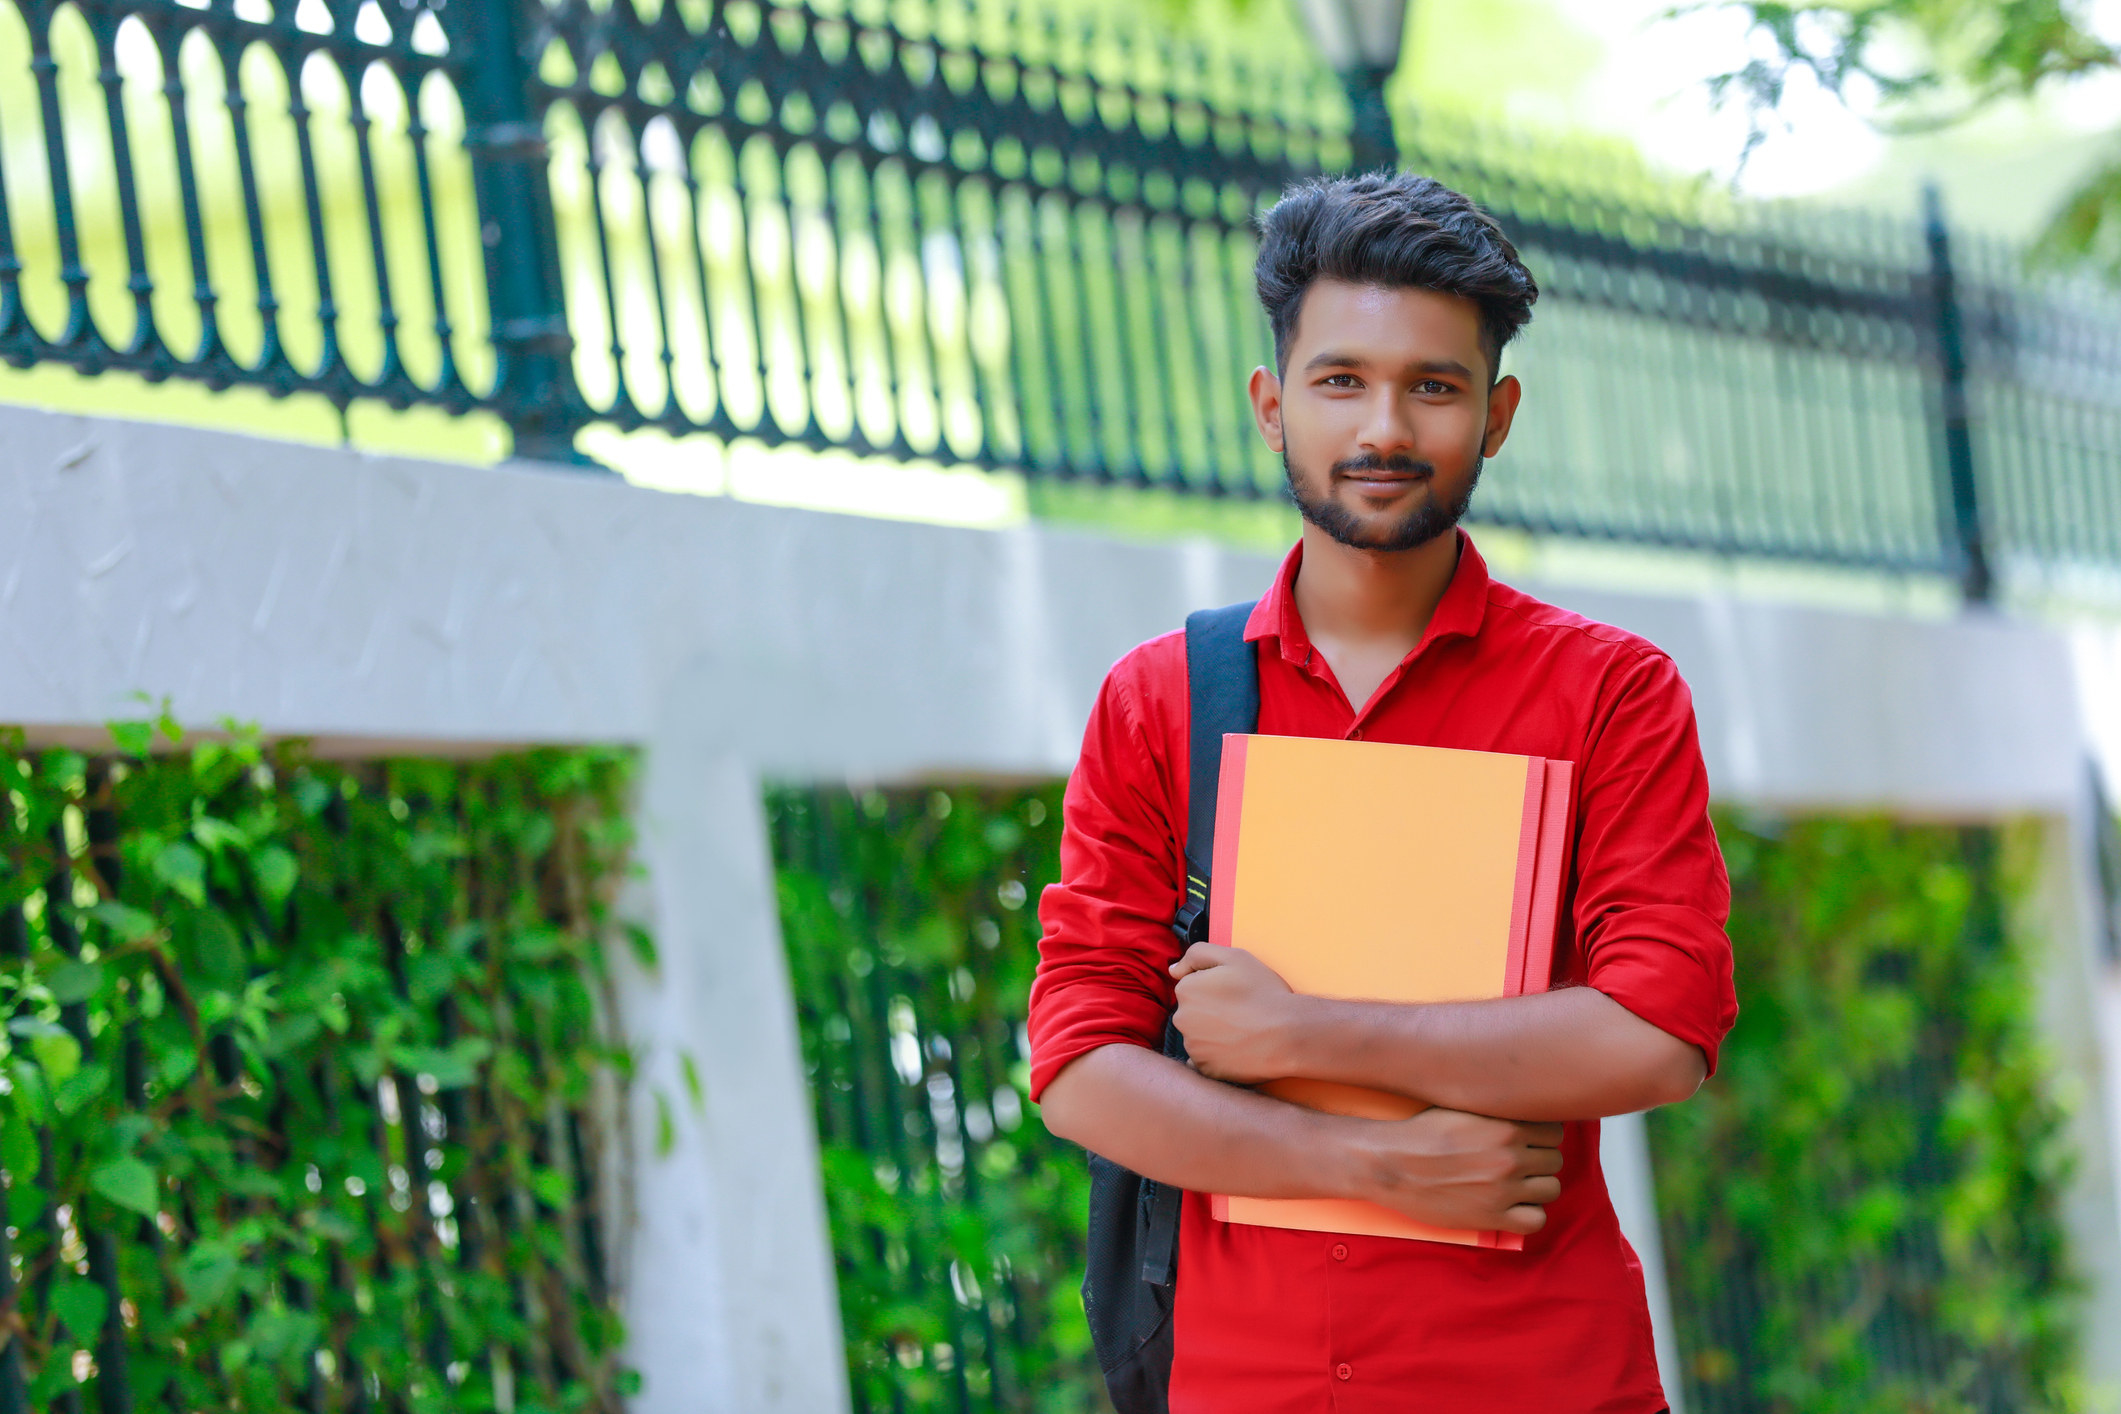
pixel 1965 549
pixel 534 388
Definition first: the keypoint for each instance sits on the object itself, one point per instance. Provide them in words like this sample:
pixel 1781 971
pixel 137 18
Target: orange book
pixel 1389 873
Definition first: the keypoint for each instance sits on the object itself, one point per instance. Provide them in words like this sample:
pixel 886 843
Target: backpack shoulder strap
pixel 1222 683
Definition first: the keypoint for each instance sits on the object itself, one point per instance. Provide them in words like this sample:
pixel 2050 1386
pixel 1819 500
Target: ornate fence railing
pixel 983 236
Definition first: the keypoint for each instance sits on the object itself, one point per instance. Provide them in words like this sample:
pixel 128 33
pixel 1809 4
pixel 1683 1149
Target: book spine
pixel 1552 881
pixel 1527 874
pixel 1229 826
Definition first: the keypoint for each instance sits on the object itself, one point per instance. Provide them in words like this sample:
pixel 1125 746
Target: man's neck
pixel 1371 600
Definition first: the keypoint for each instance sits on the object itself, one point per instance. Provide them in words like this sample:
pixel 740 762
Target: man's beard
pixel 1419 528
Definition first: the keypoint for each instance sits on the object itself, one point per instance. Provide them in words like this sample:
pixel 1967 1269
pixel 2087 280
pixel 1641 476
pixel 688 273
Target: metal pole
pixel 534 381
pixel 1375 147
pixel 1964 545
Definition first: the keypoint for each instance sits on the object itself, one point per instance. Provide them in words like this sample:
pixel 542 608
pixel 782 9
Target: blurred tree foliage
pixel 912 932
pixel 300 1068
pixel 1861 1208
pixel 1935 62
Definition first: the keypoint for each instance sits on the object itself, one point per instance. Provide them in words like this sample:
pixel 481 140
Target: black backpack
pixel 1132 1268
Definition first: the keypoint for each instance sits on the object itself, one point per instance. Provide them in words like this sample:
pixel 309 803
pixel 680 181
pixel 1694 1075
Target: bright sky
pixel 1649 84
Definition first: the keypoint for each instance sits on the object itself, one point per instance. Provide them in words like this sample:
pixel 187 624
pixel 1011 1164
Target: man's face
pixel 1384 412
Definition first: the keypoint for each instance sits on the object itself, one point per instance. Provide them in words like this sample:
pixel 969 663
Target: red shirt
pixel 1271 1321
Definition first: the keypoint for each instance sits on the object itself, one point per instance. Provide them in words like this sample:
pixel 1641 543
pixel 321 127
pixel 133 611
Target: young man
pixel 1391 299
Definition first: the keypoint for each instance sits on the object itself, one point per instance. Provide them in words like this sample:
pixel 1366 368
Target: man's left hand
pixel 1237 1016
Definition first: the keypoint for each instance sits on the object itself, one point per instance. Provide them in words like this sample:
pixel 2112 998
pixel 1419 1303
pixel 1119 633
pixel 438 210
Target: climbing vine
pixel 298 1079
pixel 912 933
pixel 1860 1211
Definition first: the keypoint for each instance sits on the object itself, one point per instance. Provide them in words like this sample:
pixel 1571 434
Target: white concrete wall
pixel 379 600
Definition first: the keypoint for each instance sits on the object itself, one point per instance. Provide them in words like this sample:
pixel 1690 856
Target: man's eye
pixel 1342 380
pixel 1429 387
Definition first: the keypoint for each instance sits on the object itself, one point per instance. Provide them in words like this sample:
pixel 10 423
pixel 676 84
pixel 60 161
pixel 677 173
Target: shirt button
pixel 1355 734
pixel 1345 1371
pixel 1340 1251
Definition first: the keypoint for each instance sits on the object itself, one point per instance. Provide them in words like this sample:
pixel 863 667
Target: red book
pixel 1378 872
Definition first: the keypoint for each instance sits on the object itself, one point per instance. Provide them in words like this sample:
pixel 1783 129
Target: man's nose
pixel 1386 426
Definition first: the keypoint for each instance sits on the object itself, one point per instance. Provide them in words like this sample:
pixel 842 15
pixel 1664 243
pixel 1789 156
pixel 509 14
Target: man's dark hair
pixel 1394 231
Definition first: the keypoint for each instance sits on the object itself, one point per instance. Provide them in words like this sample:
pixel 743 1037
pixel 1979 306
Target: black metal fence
pixel 984 236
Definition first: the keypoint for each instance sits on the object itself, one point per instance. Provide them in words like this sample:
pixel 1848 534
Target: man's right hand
pixel 1458 1170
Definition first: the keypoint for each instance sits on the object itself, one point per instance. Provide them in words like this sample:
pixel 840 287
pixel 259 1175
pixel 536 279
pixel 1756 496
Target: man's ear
pixel 1502 411
pixel 1265 389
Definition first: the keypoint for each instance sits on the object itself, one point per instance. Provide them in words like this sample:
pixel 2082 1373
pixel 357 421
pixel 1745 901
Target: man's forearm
pixel 1171 1124
pixel 1569 1054
pixel 1167 1122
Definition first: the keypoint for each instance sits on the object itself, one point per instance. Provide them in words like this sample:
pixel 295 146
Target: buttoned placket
pixel 1338 1255
pixel 1314 664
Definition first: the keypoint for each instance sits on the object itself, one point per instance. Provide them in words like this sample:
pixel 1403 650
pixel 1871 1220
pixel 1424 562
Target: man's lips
pixel 1387 474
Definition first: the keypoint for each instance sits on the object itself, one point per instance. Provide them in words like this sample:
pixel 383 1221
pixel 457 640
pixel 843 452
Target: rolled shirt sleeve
pixel 1106 939
pixel 1651 896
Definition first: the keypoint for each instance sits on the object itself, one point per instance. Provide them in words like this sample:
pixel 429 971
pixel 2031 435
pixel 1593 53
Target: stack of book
pixel 1378 872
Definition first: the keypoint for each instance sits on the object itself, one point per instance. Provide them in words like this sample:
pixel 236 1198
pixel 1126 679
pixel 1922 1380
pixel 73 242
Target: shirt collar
pixel 1458 614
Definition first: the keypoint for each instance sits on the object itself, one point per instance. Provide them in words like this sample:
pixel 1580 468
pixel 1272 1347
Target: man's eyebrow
pixel 1333 358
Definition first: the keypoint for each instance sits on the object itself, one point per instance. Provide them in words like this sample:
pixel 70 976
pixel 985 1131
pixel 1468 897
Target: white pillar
pixel 1624 1154
pixel 2080 1028
pixel 730 1302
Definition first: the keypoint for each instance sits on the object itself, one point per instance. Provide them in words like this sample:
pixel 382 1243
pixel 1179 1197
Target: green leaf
pixel 312 794
pixel 208 1271
pixel 175 1065
pixel 128 1183
pixel 133 738
pixel 218 835
pixel 74 981
pixel 276 872
pixel 208 943
pixel 182 867
pixel 57 1053
pixel 643 944
pixel 25 1203
pixel 666 1130
pixel 280 1334
pixel 690 1069
pixel 31 1095
pixel 452 1069
pixel 80 1304
pixel 290 1033
pixel 79 1088
pixel 429 977
pixel 130 924
pixel 18 1147
pixel 552 1188
pixel 540 942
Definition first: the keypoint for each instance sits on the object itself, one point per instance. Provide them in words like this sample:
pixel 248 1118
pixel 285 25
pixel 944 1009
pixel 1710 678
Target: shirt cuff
pixel 1671 966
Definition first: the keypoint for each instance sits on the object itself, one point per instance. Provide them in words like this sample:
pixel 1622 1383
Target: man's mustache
pixel 1399 464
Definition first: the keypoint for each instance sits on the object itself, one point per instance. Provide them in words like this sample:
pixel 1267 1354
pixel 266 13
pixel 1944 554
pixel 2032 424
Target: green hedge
pixel 298 1068
pixel 1860 1210
pixel 912 933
